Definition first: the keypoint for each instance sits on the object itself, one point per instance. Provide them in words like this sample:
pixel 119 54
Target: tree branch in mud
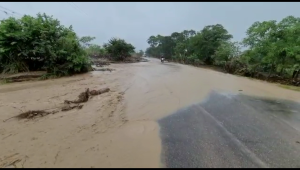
pixel 82 98
pixel 101 91
pixel 68 107
pixel 103 69
pixel 31 114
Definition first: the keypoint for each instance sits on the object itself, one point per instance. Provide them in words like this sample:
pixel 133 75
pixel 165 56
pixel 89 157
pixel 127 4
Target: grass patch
pixel 4 81
pixel 295 88
pixel 48 76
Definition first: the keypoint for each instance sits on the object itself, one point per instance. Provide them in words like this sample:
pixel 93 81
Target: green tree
pixel 207 41
pixel 227 51
pixel 141 53
pixel 40 43
pixel 274 46
pixel 119 49
pixel 85 41
pixel 152 41
pixel 95 50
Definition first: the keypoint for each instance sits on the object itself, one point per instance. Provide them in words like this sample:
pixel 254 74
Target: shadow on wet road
pixel 232 131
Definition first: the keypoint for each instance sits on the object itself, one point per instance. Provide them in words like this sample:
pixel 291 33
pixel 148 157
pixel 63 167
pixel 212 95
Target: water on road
pixel 209 119
pixel 155 115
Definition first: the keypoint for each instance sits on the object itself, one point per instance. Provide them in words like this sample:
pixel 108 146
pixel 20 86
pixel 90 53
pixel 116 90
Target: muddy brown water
pixel 129 138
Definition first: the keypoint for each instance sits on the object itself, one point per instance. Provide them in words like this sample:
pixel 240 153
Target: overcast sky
pixel 136 21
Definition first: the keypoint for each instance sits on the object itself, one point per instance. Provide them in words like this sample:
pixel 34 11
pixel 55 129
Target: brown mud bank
pixel 244 72
pixel 98 64
pixel 99 134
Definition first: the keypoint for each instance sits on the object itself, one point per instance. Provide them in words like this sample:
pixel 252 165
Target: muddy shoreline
pixel 258 76
pixel 97 65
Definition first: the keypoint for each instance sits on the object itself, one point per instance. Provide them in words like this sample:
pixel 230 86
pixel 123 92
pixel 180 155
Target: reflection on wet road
pixel 232 131
pixel 204 118
pixel 155 115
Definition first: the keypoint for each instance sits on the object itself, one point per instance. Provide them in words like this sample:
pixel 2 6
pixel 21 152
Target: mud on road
pixel 70 137
pixel 118 128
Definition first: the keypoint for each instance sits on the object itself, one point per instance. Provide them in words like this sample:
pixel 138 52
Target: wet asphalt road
pixel 232 131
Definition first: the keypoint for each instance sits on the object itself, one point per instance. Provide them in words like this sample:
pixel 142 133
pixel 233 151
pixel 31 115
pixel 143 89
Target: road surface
pixel 232 131
pixel 155 115
pixel 212 119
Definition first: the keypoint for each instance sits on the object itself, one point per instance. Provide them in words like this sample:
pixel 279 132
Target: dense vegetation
pixel 115 50
pixel 273 49
pixel 42 43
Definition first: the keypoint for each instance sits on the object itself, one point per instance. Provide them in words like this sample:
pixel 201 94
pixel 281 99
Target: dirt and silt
pixel 117 128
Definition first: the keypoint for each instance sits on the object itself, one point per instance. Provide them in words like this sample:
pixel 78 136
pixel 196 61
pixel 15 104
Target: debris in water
pixel 82 98
pixel 68 107
pixel 101 91
pixel 103 69
pixel 31 114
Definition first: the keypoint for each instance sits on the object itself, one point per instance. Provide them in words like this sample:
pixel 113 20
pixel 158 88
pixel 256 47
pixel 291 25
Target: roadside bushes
pixel 119 49
pixel 40 43
pixel 114 50
pixel 272 49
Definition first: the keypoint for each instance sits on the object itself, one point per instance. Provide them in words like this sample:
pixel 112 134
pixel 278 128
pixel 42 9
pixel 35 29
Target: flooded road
pixel 232 131
pixel 211 119
pixel 155 115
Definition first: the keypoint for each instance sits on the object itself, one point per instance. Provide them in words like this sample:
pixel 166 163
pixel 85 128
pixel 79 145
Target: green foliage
pixel 40 43
pixel 273 48
pixel 227 51
pixel 188 44
pixel 95 50
pixel 140 53
pixel 119 49
pixel 4 81
pixel 86 40
pixel 208 40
